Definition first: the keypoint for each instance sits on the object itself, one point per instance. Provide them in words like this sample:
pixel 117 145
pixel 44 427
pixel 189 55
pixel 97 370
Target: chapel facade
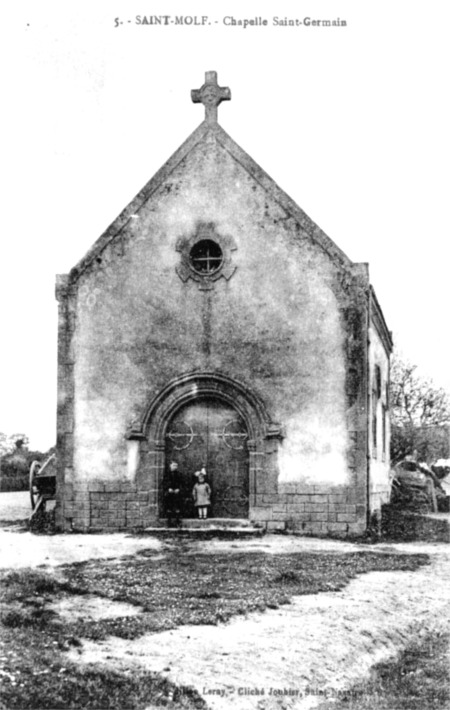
pixel 215 325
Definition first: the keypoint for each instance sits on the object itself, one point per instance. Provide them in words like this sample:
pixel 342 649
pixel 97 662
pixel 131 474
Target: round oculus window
pixel 206 257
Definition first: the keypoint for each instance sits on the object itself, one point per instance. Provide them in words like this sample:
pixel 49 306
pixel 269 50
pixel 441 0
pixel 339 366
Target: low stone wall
pixel 99 506
pixel 96 506
pixel 312 510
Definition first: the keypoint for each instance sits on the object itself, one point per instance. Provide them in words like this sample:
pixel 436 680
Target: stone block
pixel 287 487
pixel 63 523
pixel 96 497
pixel 68 490
pixel 115 505
pixel 338 498
pixel 120 521
pixel 323 499
pixel 279 509
pixel 261 514
pixel 275 525
pixel 265 487
pixel 113 513
pixel 68 444
pixel 294 508
pixel 361 511
pixel 311 489
pixel 114 487
pixel 96 486
pixel 99 507
pixel 152 496
pixel 268 498
pixel 279 516
pixel 79 524
pixel 316 507
pixel 337 527
pixel 132 505
pixel 145 484
pixel 338 507
pixel 133 515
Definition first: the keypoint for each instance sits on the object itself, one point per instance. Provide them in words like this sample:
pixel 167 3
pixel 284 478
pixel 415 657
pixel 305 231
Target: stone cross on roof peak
pixel 210 95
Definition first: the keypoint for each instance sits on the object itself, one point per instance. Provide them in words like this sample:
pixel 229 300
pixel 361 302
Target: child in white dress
pixel 202 494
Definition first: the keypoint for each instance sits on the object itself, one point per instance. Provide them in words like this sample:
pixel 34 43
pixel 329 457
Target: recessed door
pixel 211 434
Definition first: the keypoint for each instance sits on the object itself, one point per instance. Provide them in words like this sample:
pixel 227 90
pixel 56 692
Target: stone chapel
pixel 215 325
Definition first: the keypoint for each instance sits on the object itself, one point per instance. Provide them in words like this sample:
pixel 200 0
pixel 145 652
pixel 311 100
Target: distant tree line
pixel 15 461
pixel 420 415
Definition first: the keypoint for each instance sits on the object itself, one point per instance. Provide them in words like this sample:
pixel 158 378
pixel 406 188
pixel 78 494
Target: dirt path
pixel 20 548
pixel 281 658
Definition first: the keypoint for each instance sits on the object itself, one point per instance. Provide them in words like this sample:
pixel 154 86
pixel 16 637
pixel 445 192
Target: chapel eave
pixel 116 227
pixel 379 322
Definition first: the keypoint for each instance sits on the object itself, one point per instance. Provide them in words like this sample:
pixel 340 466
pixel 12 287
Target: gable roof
pixel 201 134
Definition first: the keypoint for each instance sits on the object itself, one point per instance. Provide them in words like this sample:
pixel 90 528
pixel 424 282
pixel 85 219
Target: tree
pixel 420 415
pixel 15 461
pixel 12 441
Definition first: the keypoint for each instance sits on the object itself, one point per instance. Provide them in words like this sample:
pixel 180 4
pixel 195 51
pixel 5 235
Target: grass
pixel 419 679
pixel 178 589
pixel 36 676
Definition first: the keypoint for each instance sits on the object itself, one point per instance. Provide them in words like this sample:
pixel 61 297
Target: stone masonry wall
pixel 288 322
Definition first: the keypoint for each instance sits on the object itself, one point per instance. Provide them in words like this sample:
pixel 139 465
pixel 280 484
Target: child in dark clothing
pixel 172 493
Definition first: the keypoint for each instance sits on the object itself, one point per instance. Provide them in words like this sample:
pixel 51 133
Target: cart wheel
pixel 34 493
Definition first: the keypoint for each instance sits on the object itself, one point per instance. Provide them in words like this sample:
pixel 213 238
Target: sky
pixel 350 120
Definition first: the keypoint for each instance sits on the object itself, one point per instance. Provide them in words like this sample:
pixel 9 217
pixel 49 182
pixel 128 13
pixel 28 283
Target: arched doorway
pixel 208 432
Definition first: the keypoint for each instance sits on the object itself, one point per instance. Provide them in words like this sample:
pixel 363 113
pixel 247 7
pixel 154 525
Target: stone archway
pixel 197 388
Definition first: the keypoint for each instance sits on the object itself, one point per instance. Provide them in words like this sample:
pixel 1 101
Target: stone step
pixel 217 522
pixel 238 526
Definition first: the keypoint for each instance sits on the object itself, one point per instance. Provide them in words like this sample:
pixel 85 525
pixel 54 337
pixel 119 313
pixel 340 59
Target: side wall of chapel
pixel 379 422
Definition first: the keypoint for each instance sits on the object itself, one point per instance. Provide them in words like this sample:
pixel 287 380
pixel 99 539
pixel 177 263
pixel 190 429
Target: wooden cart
pixel 42 484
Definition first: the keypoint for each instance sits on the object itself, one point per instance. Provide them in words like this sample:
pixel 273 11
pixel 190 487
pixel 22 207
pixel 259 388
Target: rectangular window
pixel 384 433
pixel 374 425
pixel 378 380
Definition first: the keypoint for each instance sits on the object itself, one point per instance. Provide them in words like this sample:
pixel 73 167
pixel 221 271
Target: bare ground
pixel 20 548
pixel 324 642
